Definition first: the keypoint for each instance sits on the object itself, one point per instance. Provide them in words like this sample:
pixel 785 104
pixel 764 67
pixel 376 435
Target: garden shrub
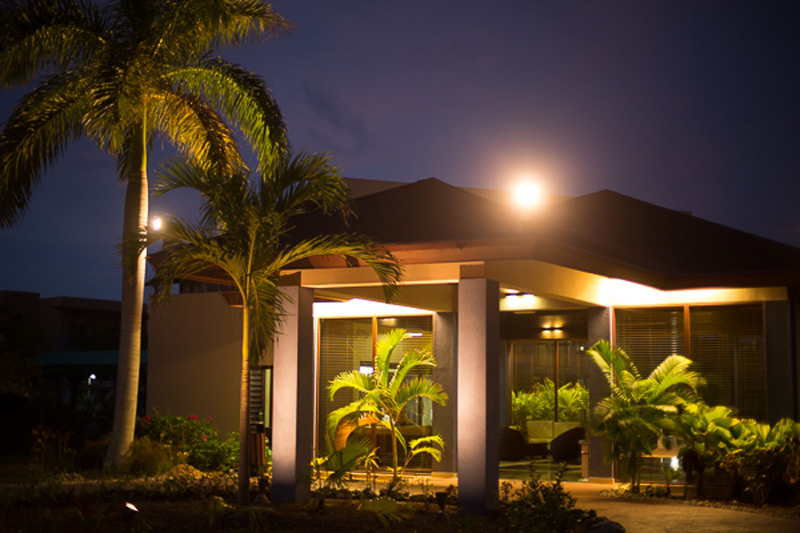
pixel 196 438
pixel 92 454
pixel 542 507
pixel 760 455
pixel 150 458
pixel 51 448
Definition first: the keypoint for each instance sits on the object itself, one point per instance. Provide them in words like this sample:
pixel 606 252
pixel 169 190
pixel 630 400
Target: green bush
pixel 542 507
pixel 147 457
pixel 196 438
pixel 92 454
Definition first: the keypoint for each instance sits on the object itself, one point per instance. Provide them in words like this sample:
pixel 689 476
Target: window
pixel 347 344
pixel 726 344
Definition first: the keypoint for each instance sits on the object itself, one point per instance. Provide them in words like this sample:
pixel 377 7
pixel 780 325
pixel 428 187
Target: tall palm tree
pixel 123 74
pixel 384 395
pixel 639 410
pixel 244 239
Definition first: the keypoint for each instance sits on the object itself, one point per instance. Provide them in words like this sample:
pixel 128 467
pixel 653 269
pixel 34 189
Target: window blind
pixel 347 344
pixel 726 345
pixel 649 335
pixel 728 350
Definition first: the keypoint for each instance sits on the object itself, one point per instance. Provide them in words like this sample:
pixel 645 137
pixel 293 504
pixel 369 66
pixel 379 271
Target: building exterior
pixel 505 299
pixel 74 344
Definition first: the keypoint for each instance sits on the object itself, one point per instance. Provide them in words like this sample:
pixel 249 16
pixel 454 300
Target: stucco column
pixel 478 380
pixel 293 398
pixel 781 370
pixel 599 322
pixel 444 417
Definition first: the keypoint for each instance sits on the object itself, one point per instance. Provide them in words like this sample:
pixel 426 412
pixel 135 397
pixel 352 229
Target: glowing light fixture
pixel 527 194
pixel 156 224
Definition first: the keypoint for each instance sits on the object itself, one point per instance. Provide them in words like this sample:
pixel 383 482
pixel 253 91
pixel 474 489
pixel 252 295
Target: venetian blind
pixel 728 350
pixel 649 335
pixel 344 344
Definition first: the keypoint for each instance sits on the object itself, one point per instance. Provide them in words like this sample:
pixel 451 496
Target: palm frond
pixel 420 388
pixel 243 98
pixel 617 367
pixel 339 463
pixel 40 37
pixel 350 412
pixel 40 127
pixel 431 444
pixel 195 128
pixel 206 24
pixel 351 380
pixel 378 259
pixel 304 183
pixel 411 360
pixel 383 354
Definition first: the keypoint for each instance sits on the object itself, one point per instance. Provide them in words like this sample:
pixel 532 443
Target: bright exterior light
pixel 156 223
pixel 367 370
pixel 527 195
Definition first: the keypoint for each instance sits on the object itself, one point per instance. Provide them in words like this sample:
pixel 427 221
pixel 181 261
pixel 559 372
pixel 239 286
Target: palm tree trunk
pixel 394 452
pixel 134 228
pixel 243 495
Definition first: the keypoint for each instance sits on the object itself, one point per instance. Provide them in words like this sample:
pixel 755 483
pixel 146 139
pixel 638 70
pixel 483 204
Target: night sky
pixel 689 105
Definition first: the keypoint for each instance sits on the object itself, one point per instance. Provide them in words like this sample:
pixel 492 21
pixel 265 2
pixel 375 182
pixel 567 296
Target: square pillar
pixel 444 417
pixel 293 397
pixel 599 322
pixel 478 384
pixel 780 361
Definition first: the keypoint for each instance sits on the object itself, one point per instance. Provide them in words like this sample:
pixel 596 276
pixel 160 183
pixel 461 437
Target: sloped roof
pixel 671 248
pixel 428 210
pixel 605 233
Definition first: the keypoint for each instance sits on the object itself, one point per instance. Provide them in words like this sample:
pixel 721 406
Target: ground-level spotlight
pixel 128 514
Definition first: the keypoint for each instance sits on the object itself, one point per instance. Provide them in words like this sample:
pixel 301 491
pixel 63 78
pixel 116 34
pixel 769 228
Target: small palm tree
pixel 706 435
pixel 243 240
pixel 123 74
pixel 638 410
pixel 384 395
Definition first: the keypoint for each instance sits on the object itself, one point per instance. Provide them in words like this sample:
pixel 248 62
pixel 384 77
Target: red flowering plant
pixel 196 438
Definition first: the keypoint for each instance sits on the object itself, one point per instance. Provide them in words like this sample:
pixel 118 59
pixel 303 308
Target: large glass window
pixel 347 344
pixel 548 381
pixel 726 343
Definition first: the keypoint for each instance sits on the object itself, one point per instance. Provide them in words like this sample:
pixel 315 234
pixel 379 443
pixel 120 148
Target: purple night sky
pixel 689 105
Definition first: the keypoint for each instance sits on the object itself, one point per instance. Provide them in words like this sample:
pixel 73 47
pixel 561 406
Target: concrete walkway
pixel 665 516
pixel 648 515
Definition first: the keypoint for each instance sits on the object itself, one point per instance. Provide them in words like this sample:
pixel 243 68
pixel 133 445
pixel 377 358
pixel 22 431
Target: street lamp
pixel 156 223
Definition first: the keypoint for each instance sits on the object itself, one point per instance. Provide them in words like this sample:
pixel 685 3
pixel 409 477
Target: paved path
pixel 654 515
pixel 660 516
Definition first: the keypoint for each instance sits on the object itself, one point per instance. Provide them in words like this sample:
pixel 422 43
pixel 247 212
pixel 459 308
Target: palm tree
pixel 384 395
pixel 244 238
pixel 121 75
pixel 638 410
